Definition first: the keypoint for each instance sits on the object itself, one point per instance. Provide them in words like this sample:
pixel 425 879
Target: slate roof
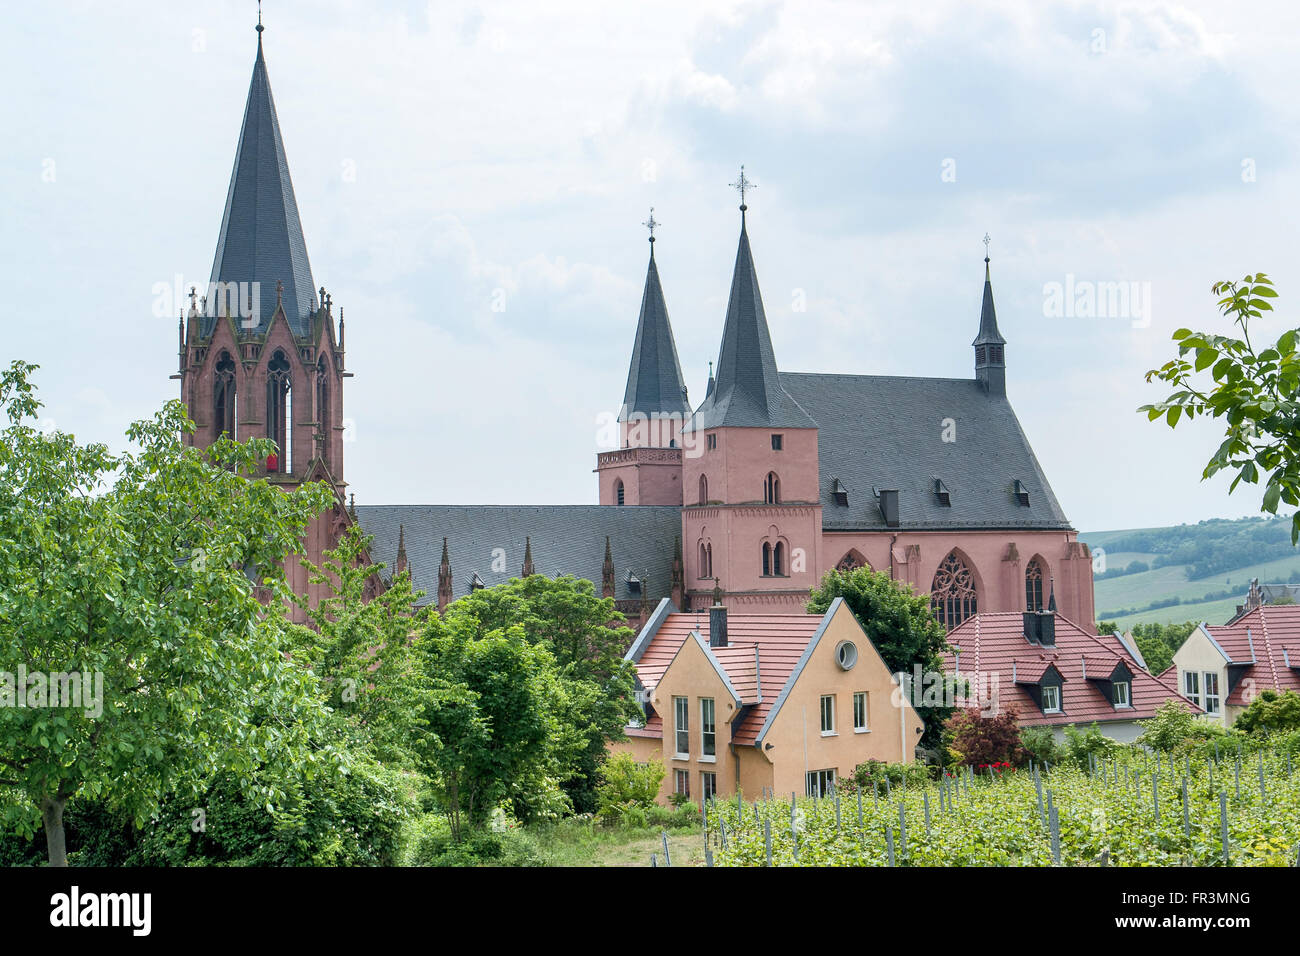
pixel 654 379
pixel 991 643
pixel 886 431
pixel 565 539
pixel 779 639
pixel 747 392
pixel 1270 636
pixel 261 235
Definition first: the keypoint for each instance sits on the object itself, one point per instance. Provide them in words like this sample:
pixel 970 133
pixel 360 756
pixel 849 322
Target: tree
pixel 1270 712
pixel 1173 726
pixel 133 580
pixel 489 720
pixel 1253 390
pixel 587 638
pixel 898 623
pixel 982 741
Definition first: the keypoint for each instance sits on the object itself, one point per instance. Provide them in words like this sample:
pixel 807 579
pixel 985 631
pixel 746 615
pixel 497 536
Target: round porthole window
pixel 846 654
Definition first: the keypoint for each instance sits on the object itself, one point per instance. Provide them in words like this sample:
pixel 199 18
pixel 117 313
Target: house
pixel 1221 668
pixel 786 702
pixel 1055 673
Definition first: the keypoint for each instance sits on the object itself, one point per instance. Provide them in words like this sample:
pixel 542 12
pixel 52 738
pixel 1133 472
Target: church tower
pixel 259 353
pixel 647 468
pixel 753 516
pixel 990 358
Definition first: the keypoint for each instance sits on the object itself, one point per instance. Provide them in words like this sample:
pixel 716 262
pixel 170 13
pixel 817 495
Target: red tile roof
pixel 654 727
pixel 761 653
pixel 992 643
pixel 1268 634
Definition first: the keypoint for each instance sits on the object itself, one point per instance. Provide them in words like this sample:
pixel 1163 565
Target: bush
pixel 987 740
pixel 626 783
pixel 1083 745
pixel 871 773
pixel 1270 712
pixel 432 845
pixel 1040 743
pixel 1174 727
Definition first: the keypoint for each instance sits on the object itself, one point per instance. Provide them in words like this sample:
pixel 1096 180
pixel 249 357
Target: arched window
pixel 852 561
pixel 225 413
pixel 1033 586
pixel 704 490
pixel 708 554
pixel 778 559
pixel 704 561
pixel 952 595
pixel 772 489
pixel 618 491
pixel 279 411
pixel 767 559
pixel 323 421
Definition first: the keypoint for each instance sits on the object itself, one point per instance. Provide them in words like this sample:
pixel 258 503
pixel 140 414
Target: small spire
pixel 352 506
pixel 528 557
pixel 717 592
pixel 401 549
pixel 1051 595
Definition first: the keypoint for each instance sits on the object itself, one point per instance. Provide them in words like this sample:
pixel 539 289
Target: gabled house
pixel 1221 668
pixel 787 702
pixel 1056 673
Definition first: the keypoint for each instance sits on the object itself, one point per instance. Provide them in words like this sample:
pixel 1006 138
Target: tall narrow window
pixel 1192 687
pixel 708 732
pixel 323 419
pixel 279 412
pixel 772 489
pixel 704 490
pixel 682 726
pixel 704 561
pixel 682 782
pixel 1211 704
pixel 1033 586
pixel 860 712
pixel 225 406
pixel 767 559
pixel 828 715
pixel 778 558
pixel 708 555
pixel 952 594
pixel 708 785
pixel 618 491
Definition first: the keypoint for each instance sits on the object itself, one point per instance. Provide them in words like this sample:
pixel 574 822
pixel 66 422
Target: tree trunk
pixel 55 840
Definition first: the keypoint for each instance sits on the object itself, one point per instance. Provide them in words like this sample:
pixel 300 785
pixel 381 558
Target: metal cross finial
pixel 259 20
pixel 652 223
pixel 987 240
pixel 741 185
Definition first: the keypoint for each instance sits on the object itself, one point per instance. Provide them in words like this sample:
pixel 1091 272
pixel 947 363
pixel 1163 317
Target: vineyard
pixel 1138 810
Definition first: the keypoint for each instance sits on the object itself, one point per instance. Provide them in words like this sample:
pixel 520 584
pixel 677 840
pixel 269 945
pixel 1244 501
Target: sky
pixel 473 178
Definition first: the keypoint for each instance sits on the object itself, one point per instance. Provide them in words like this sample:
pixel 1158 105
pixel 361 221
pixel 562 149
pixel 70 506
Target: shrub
pixel 1270 712
pixel 1082 745
pixel 1040 743
pixel 433 846
pixel 987 740
pixel 624 782
pixel 1174 727
pixel 876 772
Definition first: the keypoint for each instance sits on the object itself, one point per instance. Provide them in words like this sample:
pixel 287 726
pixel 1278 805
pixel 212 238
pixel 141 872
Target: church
pixel 772 479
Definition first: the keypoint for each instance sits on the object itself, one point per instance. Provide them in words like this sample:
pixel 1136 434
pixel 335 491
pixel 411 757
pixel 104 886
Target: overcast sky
pixel 450 156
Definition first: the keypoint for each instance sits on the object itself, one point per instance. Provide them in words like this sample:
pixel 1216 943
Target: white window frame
pixel 1192 693
pixel 682 782
pixel 708 730
pixel 1115 693
pixel 708 784
pixel 827 709
pixel 1056 695
pixel 681 728
pixel 819 783
pixel 861 720
pixel 1208 678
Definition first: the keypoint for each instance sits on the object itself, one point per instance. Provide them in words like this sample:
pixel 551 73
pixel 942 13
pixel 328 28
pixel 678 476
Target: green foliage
pixel 627 783
pixel 982 741
pixel 1270 712
pixel 1254 390
pixel 433 845
pixel 140 567
pixel 873 773
pixel 1040 744
pixel 1175 727
pixel 898 623
pixel 1084 746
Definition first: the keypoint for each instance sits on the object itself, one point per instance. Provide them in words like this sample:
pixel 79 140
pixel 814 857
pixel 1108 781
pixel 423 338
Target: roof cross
pixel 741 185
pixel 987 240
pixel 652 223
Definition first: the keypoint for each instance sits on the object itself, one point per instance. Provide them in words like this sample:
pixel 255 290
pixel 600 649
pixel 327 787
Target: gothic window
pixel 704 490
pixel 851 561
pixel 952 595
pixel 225 407
pixel 1033 586
pixel 767 559
pixel 323 421
pixel 279 412
pixel 618 491
pixel 778 559
pixel 772 489
pixel 708 559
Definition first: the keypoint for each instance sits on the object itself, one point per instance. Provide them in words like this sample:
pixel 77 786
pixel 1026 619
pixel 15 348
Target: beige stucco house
pixel 786 702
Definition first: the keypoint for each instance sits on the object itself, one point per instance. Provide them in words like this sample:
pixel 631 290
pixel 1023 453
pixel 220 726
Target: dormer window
pixel 1051 698
pixel 942 494
pixel 633 583
pixel 476 583
pixel 1021 493
pixel 1122 693
pixel 839 494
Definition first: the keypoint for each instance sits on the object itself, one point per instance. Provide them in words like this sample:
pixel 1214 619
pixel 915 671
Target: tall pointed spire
pixel 990 353
pixel 655 384
pixel 747 391
pixel 444 578
pixel 528 570
pixel 261 236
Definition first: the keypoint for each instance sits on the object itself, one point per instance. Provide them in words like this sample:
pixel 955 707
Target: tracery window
pixel 1033 586
pixel 851 561
pixel 224 395
pixel 952 594
pixel 279 412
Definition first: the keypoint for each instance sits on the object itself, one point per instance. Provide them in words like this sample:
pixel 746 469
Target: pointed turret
pixel 990 358
pixel 607 572
pixel 400 564
pixel 747 391
pixel 444 578
pixel 528 558
pixel 655 385
pixel 261 237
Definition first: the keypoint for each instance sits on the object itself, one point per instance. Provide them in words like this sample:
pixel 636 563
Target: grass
pixel 585 843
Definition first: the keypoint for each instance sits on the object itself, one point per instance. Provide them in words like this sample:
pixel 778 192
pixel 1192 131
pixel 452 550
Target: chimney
pixel 889 506
pixel 718 624
pixel 1031 619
